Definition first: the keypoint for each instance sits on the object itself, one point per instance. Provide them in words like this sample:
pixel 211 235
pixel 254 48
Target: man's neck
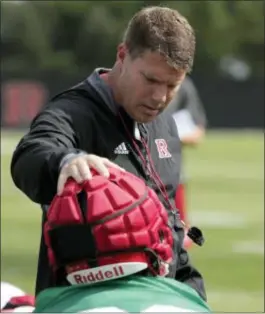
pixel 110 78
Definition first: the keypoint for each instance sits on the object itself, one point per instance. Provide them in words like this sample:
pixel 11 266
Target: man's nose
pixel 160 94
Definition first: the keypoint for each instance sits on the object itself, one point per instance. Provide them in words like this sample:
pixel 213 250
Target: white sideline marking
pixel 234 294
pixel 218 219
pixel 249 247
pixel 235 170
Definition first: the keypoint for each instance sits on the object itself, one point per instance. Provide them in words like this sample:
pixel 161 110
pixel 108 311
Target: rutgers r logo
pixel 162 148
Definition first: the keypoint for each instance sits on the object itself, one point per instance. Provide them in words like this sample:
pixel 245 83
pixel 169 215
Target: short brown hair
pixel 163 30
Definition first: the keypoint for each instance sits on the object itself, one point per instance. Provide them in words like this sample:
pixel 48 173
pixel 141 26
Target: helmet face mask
pixel 116 227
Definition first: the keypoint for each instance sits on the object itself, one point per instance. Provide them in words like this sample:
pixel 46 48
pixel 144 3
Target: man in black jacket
pixel 115 118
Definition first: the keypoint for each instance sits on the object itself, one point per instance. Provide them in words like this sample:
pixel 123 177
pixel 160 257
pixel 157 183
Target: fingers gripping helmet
pixel 107 228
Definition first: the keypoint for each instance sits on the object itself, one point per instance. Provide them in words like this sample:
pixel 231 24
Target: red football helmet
pixel 107 228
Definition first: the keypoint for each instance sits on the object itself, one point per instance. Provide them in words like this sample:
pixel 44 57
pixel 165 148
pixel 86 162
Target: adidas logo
pixel 121 149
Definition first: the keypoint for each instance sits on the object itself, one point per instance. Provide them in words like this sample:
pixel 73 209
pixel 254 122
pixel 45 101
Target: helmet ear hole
pixel 153 261
pixel 82 201
pixel 161 235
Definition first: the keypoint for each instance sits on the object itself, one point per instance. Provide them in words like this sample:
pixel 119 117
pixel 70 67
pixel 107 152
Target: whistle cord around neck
pixel 153 174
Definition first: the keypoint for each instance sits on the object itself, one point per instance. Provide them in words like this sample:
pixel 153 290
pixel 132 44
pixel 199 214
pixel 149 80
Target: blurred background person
pixel 189 114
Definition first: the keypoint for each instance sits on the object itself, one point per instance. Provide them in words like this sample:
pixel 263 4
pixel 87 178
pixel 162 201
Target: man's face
pixel 146 84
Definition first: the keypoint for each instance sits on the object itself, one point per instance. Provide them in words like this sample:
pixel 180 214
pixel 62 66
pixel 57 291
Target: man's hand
pixel 78 168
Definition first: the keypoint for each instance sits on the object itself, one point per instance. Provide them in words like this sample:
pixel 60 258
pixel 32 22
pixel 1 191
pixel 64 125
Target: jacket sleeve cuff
pixel 67 158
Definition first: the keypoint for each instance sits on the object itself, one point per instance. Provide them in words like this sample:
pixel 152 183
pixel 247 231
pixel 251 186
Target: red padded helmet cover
pixel 123 213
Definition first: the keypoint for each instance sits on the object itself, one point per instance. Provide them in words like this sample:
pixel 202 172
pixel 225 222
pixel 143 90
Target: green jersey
pixel 132 294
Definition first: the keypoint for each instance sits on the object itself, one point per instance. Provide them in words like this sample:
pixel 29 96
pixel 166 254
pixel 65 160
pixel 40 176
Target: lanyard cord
pixel 151 169
pixel 155 175
pixel 194 233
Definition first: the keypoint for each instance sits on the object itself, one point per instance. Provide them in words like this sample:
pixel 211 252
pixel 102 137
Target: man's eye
pixel 150 80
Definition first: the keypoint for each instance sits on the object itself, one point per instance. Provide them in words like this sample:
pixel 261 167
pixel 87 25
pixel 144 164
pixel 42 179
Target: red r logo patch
pixel 162 148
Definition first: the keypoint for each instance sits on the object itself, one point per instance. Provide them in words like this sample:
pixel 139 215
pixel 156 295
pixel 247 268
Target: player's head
pixel 108 228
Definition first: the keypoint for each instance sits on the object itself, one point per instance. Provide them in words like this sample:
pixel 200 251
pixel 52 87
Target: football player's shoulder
pixel 47 297
pixel 168 285
pixel 181 289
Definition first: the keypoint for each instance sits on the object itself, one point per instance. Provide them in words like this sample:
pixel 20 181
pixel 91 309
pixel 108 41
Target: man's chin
pixel 142 117
pixel 145 118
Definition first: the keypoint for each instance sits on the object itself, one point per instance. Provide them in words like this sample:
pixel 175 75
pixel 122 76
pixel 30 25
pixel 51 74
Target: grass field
pixel 226 199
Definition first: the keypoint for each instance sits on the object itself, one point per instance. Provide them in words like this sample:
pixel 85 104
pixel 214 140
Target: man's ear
pixel 121 52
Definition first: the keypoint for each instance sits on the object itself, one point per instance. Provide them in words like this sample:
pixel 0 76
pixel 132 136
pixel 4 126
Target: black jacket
pixel 78 119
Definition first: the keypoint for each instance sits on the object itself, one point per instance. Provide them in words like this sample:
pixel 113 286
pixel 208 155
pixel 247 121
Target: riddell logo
pixel 100 275
pixel 105 273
